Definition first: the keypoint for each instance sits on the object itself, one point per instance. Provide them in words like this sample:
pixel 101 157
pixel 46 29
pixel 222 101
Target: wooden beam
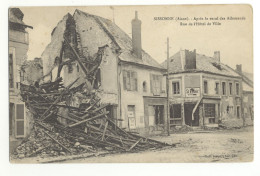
pixel 104 132
pixel 89 119
pixel 77 57
pixel 57 100
pixel 71 119
pixel 57 142
pixel 134 144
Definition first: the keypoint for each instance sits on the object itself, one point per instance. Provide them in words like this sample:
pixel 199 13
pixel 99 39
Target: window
pixel 237 89
pixel 217 88
pixel 11 71
pixel 205 87
pixel 210 112
pixel 238 112
pixel 223 88
pixel 130 80
pixel 19 120
pixel 144 86
pixel 230 88
pixel 176 87
pixel 70 68
pixel 229 109
pixel 156 84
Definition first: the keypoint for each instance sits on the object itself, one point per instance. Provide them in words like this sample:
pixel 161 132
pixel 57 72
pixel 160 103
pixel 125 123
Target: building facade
pixel 203 91
pixel 248 95
pixel 19 118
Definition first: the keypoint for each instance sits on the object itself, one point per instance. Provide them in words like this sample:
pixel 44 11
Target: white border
pixel 193 169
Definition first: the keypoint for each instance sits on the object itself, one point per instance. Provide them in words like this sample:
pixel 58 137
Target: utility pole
pixel 112 8
pixel 167 89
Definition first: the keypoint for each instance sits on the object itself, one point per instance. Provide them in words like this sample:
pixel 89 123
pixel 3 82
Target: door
pixel 188 108
pixel 159 120
pixel 131 116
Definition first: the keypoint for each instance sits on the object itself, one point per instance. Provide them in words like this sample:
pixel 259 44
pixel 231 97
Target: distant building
pixel 18 47
pixel 203 91
pixel 31 71
pixel 248 94
pixel 132 81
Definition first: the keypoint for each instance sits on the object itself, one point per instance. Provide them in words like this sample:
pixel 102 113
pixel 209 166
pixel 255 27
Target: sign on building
pixel 192 92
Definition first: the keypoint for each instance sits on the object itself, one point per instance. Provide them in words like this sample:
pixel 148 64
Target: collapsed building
pixel 74 106
pixel 205 92
pixel 131 81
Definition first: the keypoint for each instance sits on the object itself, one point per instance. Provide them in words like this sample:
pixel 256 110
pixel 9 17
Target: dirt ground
pixel 196 146
pixel 235 145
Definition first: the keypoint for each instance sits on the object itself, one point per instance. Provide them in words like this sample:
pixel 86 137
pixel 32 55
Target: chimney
pixel 136 36
pixel 188 59
pixel 239 68
pixel 217 56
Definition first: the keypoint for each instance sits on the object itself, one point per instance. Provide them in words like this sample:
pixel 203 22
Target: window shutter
pixel 134 81
pixel 160 82
pixel 128 80
pixel 19 120
pixel 124 79
pixel 151 83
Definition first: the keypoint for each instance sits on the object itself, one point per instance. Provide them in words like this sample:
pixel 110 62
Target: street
pixel 208 146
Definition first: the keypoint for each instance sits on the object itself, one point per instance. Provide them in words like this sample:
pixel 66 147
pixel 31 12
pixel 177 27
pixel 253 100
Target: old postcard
pixel 131 84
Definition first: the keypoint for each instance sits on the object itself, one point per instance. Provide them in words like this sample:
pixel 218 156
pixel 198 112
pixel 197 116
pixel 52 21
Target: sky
pixel 233 38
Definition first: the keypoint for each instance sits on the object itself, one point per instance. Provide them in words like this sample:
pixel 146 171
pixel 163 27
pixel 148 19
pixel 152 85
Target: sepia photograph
pixel 131 84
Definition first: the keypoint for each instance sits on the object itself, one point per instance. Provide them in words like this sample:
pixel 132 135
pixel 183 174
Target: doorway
pixel 188 108
pixel 156 115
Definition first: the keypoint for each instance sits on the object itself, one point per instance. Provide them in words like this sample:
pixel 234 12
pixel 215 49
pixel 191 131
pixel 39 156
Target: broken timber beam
pixel 77 57
pixel 104 132
pixel 134 144
pixel 86 120
pixel 58 99
pixel 57 142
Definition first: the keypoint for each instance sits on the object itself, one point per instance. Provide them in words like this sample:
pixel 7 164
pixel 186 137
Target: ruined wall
pixel 53 49
pixel 92 36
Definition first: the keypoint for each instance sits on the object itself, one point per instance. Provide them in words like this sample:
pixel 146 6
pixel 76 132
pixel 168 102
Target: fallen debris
pixel 63 127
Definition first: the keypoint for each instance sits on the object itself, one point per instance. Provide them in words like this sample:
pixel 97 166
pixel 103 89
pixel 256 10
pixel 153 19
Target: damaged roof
pixel 203 64
pixel 121 40
pixel 16 16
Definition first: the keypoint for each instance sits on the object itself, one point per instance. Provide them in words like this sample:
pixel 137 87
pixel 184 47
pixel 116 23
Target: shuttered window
pixel 19 120
pixel 156 84
pixel 11 71
pixel 130 80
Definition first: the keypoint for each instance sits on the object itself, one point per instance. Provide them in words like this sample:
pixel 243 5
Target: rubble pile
pixel 72 120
